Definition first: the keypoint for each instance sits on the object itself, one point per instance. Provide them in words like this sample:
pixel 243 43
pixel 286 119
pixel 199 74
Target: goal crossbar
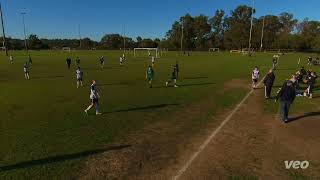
pixel 148 49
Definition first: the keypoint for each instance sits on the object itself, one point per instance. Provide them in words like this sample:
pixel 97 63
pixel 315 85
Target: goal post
pixel 156 50
pixel 214 50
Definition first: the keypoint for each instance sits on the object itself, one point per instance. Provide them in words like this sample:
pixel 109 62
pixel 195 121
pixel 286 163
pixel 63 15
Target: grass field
pixel 46 135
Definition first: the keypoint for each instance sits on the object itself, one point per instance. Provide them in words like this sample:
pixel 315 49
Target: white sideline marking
pixel 213 134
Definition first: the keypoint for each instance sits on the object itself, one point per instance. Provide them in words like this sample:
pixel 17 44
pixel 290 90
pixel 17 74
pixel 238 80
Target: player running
pixel 26 71
pixel 94 97
pixel 174 77
pixel 150 75
pixel 79 76
pixel 101 62
pixel 68 62
pixel 255 77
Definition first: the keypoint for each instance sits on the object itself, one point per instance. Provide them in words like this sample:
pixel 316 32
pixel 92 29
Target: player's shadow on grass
pixel 143 108
pixel 60 158
pixel 196 77
pixel 310 114
pixel 285 69
pixel 47 77
pixel 111 84
pixel 196 84
pixel 187 85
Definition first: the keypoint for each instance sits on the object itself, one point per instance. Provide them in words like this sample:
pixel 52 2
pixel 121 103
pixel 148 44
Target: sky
pixel 145 18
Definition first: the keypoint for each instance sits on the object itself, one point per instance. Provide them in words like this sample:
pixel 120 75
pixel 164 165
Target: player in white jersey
pixel 94 97
pixel 11 59
pixel 26 70
pixel 79 76
pixel 255 77
pixel 121 60
pixel 152 61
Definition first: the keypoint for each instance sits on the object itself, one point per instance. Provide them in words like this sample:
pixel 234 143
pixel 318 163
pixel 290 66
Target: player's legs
pixel 90 106
pixel 175 83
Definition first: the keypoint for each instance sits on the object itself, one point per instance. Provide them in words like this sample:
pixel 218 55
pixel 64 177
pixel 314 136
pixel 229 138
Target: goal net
pixel 143 52
pixel 66 49
pixel 214 50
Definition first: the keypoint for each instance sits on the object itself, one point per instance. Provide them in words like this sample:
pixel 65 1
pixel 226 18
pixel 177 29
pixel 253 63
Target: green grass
pixel 43 117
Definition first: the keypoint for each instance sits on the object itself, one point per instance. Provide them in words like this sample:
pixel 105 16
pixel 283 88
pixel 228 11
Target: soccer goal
pixel 67 49
pixel 214 50
pixel 140 52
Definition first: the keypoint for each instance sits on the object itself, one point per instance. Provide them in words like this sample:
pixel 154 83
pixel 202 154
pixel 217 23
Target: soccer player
pixel 275 61
pixel 123 57
pixel 150 75
pixel 11 59
pixel 255 77
pixel 101 62
pixel 149 53
pixel 68 62
pixel 79 76
pixel 152 61
pixel 311 80
pixel 177 68
pixel 174 76
pixel 94 97
pixel 268 83
pixel 309 61
pixel 26 70
pixel 30 59
pixel 78 61
pixel 121 60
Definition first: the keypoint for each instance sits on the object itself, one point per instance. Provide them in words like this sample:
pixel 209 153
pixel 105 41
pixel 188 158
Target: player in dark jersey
pixel 30 59
pixel 150 76
pixel 101 62
pixel 68 62
pixel 311 80
pixel 177 68
pixel 78 61
pixel 94 98
pixel 174 76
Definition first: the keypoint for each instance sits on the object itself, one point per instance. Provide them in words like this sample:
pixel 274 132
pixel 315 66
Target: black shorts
pixel 79 79
pixel 95 101
pixel 255 80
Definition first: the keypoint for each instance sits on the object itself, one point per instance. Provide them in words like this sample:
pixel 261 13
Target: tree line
pixel 224 31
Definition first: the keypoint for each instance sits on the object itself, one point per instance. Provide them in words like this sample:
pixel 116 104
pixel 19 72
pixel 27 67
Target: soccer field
pixel 45 133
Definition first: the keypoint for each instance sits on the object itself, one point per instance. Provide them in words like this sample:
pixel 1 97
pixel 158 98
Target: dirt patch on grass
pixel 255 145
pixel 236 84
